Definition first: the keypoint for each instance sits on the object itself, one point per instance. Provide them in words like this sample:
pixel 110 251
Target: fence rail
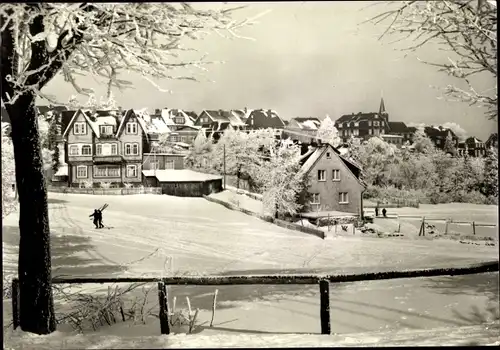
pixel 106 191
pixel 322 280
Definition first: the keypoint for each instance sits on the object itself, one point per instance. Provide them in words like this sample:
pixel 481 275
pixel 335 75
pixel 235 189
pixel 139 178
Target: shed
pixel 183 183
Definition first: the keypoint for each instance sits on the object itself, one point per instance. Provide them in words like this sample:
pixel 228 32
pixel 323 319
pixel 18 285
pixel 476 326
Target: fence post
pixel 163 301
pixel 15 302
pixel 446 227
pixel 324 290
pixel 474 228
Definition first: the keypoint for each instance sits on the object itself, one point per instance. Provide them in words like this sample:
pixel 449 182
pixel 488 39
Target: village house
pixel 214 122
pixel 438 135
pixel 183 183
pixel 265 119
pixel 105 147
pixel 303 130
pixel 181 125
pixel 472 146
pixel 333 182
pixel 163 161
pixel 367 125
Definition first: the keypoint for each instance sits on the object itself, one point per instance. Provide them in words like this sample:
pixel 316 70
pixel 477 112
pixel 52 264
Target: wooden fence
pixel 323 281
pixel 397 203
pixel 107 191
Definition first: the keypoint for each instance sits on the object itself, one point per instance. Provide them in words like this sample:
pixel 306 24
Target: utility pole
pixel 224 166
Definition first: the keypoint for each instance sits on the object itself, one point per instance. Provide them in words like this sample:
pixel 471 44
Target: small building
pixel 303 130
pixel 333 182
pixel 183 183
pixel 163 161
pixel 397 140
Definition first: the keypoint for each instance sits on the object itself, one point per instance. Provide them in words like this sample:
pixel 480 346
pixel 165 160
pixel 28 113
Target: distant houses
pixel 472 147
pixel 303 130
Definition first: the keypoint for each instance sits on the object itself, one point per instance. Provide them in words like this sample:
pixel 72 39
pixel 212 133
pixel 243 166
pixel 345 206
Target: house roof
pixel 267 119
pixel 473 139
pixel 399 127
pixel 217 115
pixel 308 123
pixel 142 117
pixel 184 175
pixel 312 157
pixel 192 115
pixel 358 117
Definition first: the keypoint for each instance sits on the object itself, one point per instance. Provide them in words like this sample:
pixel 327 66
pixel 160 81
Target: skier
pixel 384 213
pixel 96 215
pixel 99 218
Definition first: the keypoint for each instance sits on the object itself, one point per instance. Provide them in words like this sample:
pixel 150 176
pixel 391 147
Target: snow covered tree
pixel 375 157
pixel 449 146
pixel 282 181
pixel 328 133
pixel 56 163
pixel 202 146
pixel 8 174
pixel 422 143
pixel 491 173
pixel 457 130
pixel 467 29
pixel 103 40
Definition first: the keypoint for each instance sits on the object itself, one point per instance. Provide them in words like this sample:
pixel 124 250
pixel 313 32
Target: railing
pixel 322 280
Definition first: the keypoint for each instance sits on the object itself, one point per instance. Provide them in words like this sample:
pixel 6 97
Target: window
pixel 132 170
pixel 81 172
pixel 355 132
pixel 86 150
pixel 345 125
pixel 344 198
pixel 106 171
pixel 369 123
pixel 438 142
pixel 80 128
pixel 183 138
pixel 131 128
pixel 321 175
pixel 328 155
pixel 179 120
pixel 98 150
pixel 375 123
pixel 73 150
pixel 114 149
pixel 174 138
pixel 336 175
pixel 106 129
pixel 154 165
pixel 169 164
pixel 131 149
pixel 315 198
pixel 370 131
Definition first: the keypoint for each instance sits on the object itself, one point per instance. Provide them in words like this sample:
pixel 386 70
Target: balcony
pixel 107 159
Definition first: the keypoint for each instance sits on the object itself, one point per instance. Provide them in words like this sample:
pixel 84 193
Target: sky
pixel 307 59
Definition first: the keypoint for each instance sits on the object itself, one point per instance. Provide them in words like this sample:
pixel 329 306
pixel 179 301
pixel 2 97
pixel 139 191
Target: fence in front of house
pixel 323 281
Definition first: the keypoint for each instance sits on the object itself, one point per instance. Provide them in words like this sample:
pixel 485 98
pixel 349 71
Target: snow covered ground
pixel 158 235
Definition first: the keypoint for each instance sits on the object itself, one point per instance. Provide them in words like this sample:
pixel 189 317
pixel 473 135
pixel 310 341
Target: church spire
pixel 382 107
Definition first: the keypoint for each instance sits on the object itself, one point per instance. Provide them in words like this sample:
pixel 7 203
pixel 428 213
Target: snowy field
pixel 158 235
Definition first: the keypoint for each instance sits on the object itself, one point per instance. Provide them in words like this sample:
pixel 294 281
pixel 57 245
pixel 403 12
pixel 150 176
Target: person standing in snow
pixel 376 211
pixel 96 215
pixel 99 218
pixel 384 213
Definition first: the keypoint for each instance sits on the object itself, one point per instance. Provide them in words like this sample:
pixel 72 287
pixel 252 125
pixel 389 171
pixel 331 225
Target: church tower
pixel 381 111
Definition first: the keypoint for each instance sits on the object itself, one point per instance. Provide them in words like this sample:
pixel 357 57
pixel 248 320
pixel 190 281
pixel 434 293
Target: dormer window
pixel 356 124
pixel 132 128
pixel 106 129
pixel 179 120
pixel 375 123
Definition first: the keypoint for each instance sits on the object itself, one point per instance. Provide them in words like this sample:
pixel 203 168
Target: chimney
pixel 157 111
pixel 245 110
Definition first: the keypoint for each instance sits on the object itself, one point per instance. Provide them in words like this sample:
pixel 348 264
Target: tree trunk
pixel 34 268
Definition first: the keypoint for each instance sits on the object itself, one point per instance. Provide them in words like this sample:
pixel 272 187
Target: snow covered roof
pixel 184 175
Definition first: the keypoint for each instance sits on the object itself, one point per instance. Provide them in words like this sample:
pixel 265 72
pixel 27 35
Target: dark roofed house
pixel 438 135
pixel 192 115
pixel 473 147
pixel 216 121
pixel 264 119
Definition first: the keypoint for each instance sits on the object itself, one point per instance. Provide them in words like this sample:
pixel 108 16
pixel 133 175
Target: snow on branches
pixel 8 173
pixel 104 40
pixel 328 132
pixel 467 29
